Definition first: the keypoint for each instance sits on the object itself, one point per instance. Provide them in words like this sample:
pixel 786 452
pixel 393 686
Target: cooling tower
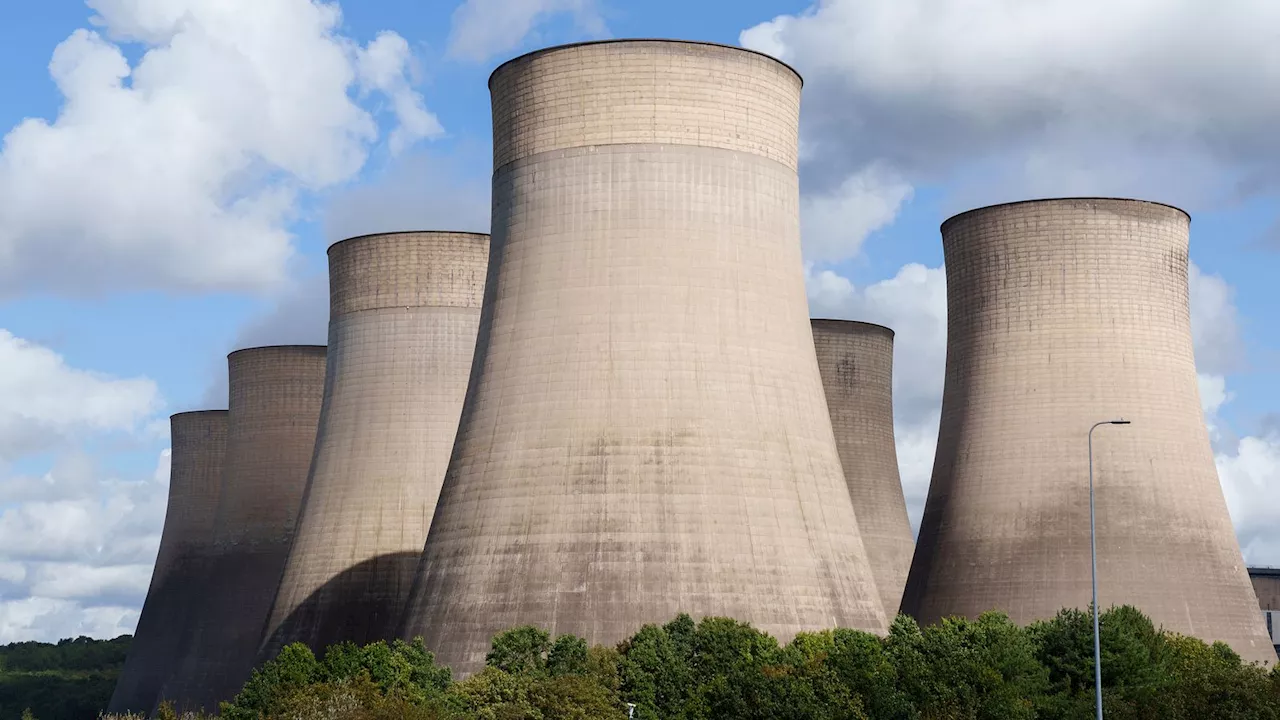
pixel 645 430
pixel 1061 314
pixel 272 412
pixel 198 442
pixel 856 363
pixel 402 330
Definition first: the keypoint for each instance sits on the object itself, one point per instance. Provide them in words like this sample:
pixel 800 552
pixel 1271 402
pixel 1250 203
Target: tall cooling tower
pixel 198 442
pixel 402 330
pixel 856 362
pixel 1061 314
pixel 272 412
pixel 645 431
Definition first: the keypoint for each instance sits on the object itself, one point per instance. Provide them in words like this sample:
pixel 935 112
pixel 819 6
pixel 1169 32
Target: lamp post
pixel 1093 552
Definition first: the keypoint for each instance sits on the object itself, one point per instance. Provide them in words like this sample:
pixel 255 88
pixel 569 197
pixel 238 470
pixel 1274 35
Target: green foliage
pixel 719 668
pixel 520 650
pixel 568 656
pixel 67 680
pixel 83 654
pixel 400 674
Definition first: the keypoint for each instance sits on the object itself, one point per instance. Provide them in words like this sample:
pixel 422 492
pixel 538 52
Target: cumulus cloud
pixel 78 559
pixel 1053 97
pixel 76 541
pixel 484 28
pixel 47 620
pixel 1215 324
pixel 1248 466
pixel 1251 479
pixel 44 401
pixel 382 66
pixel 834 224
pixel 181 170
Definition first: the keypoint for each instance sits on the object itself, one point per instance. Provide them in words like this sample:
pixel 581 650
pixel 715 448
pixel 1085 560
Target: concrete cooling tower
pixel 402 330
pixel 1061 314
pixel 856 362
pixel 645 431
pixel 198 442
pixel 272 412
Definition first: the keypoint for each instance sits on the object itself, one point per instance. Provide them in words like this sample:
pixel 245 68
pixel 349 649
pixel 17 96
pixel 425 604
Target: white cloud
pixel 77 559
pixel 76 543
pixel 1052 97
pixel 86 582
pixel 834 224
pixel 1214 324
pixel 182 170
pixel 12 572
pixel 43 400
pixel 48 620
pixel 484 28
pixel 382 65
pixel 1251 480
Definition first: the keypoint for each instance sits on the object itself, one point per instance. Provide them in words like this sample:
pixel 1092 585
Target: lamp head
pixel 1120 422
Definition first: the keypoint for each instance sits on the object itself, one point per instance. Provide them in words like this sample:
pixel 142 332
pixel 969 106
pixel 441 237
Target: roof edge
pixel 673 41
pixel 277 347
pixel 185 413
pixel 366 236
pixel 984 208
pixel 853 323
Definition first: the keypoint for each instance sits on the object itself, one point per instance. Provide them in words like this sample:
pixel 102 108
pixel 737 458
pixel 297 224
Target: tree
pixel 522 649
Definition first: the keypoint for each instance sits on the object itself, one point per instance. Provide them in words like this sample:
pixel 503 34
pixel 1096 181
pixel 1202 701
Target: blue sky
pixel 149 226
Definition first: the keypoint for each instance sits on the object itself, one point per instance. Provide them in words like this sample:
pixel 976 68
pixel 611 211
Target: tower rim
pixel 187 413
pixel 841 322
pixel 367 236
pixel 1069 198
pixel 275 347
pixel 614 41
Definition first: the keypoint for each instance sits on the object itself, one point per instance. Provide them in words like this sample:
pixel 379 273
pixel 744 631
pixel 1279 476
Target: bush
pixel 983 669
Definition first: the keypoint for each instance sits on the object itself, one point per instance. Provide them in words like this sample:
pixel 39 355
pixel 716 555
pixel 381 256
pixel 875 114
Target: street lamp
pixel 1093 552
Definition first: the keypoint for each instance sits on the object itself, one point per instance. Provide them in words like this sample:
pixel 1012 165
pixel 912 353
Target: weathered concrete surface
pixel 272 412
pixel 1063 313
pixel 856 363
pixel 402 330
pixel 645 430
pixel 198 443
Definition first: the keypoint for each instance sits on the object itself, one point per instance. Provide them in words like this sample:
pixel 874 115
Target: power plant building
pixel 1062 314
pixel 402 330
pixel 645 431
pixel 1266 586
pixel 856 363
pixel 272 412
pixel 198 443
